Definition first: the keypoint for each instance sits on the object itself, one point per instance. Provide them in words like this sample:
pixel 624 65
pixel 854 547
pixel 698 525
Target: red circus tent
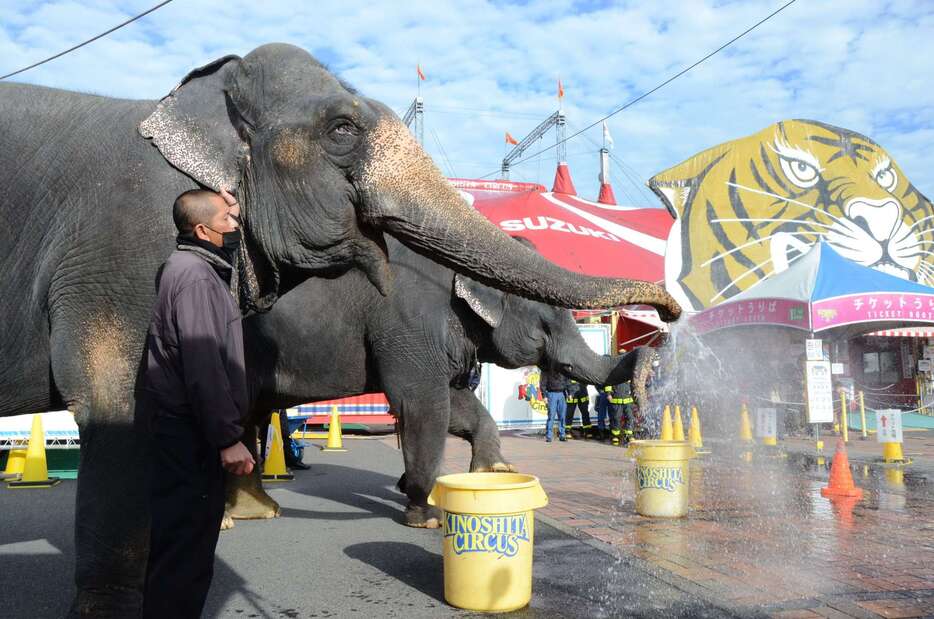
pixel 588 237
pixel 596 238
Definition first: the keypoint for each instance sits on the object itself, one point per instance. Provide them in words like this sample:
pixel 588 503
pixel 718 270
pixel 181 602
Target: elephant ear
pixel 487 303
pixel 196 127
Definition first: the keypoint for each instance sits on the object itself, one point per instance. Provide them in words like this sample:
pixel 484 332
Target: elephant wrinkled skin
pixel 88 182
pixel 331 338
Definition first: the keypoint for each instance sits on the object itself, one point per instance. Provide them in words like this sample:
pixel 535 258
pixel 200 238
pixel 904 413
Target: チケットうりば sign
pixel 660 477
pixel 501 535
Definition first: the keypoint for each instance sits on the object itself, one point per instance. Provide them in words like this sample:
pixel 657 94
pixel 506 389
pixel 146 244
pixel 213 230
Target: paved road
pixel 337 551
pixel 759 537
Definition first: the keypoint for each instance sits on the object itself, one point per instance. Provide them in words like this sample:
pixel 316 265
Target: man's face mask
pixel 230 240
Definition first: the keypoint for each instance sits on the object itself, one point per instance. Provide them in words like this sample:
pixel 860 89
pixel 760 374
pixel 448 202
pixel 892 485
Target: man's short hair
pixel 195 206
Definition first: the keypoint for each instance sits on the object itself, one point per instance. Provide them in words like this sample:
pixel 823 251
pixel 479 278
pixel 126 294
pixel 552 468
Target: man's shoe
pixel 562 438
pixel 298 464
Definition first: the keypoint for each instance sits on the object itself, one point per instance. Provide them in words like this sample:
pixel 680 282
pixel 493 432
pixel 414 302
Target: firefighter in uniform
pixel 602 407
pixel 617 405
pixel 627 419
pixel 578 398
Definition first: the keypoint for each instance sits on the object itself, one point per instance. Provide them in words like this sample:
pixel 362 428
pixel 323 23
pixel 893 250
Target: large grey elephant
pixel 338 337
pixel 87 186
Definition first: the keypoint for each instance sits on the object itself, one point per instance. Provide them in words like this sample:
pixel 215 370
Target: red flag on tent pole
pixel 560 89
pixel 421 75
pixel 510 139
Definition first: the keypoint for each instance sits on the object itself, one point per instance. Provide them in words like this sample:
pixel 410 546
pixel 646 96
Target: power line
pixel 91 40
pixel 660 86
pixel 484 112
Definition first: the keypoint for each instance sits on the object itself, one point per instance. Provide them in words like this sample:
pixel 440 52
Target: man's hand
pixel 231 203
pixel 236 459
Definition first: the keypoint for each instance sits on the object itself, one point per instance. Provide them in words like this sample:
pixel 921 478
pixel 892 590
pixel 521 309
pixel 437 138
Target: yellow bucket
pixel 662 475
pixel 488 530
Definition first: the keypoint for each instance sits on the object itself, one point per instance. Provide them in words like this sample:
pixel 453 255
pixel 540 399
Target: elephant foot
pixel 252 504
pixel 227 523
pixel 423 517
pixel 496 467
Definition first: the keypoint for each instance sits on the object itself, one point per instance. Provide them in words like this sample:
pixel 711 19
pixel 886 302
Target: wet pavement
pixel 339 550
pixel 759 539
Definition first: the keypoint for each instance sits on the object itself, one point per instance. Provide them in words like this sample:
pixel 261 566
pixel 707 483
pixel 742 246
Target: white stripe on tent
pixel 639 239
pixel 905 332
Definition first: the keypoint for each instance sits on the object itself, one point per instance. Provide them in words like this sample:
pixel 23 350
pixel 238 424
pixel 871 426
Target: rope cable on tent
pixel 621 187
pixel 634 177
pixel 663 84
pixel 444 154
pixel 634 200
pixel 91 40
pixel 649 199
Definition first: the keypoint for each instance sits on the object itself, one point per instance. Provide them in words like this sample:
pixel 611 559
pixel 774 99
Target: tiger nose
pixel 877 217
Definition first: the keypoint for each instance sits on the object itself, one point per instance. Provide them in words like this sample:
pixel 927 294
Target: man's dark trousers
pixel 187 491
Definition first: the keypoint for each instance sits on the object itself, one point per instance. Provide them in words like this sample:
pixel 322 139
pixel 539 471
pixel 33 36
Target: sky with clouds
pixel 492 67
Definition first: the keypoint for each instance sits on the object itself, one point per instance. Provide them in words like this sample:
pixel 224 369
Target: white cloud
pixel 493 67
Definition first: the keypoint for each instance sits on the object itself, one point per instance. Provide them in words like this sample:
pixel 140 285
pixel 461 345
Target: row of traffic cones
pixel 274 468
pixel 673 429
pixel 28 468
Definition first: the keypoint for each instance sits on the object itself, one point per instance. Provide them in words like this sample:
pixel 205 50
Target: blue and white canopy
pixel 823 290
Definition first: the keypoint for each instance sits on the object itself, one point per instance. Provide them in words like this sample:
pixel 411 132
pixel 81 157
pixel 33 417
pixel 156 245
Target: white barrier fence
pixel 61 431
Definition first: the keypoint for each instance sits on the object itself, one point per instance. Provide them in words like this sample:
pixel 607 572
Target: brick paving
pixel 759 538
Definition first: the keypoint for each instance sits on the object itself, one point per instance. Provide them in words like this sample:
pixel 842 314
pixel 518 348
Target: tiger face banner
pixel 750 208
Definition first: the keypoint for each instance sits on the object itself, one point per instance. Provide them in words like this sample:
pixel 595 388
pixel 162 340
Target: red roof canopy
pixel 577 234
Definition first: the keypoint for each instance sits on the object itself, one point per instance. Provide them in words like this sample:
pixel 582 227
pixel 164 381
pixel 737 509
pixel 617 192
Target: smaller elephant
pixel 337 337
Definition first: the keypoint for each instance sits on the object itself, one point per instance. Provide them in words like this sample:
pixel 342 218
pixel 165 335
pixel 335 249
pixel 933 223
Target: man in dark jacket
pixel 193 387
pixel 554 385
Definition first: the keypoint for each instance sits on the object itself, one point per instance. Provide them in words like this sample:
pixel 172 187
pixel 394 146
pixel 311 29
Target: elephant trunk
pixel 406 195
pixel 587 367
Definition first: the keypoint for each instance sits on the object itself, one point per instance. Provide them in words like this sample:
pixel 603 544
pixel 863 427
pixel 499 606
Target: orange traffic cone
pixel 841 479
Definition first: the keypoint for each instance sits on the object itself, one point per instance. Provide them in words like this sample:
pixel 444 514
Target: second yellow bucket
pixel 488 529
pixel 662 475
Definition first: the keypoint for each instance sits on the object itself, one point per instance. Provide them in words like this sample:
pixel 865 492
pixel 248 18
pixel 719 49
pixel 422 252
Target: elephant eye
pixel 344 131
